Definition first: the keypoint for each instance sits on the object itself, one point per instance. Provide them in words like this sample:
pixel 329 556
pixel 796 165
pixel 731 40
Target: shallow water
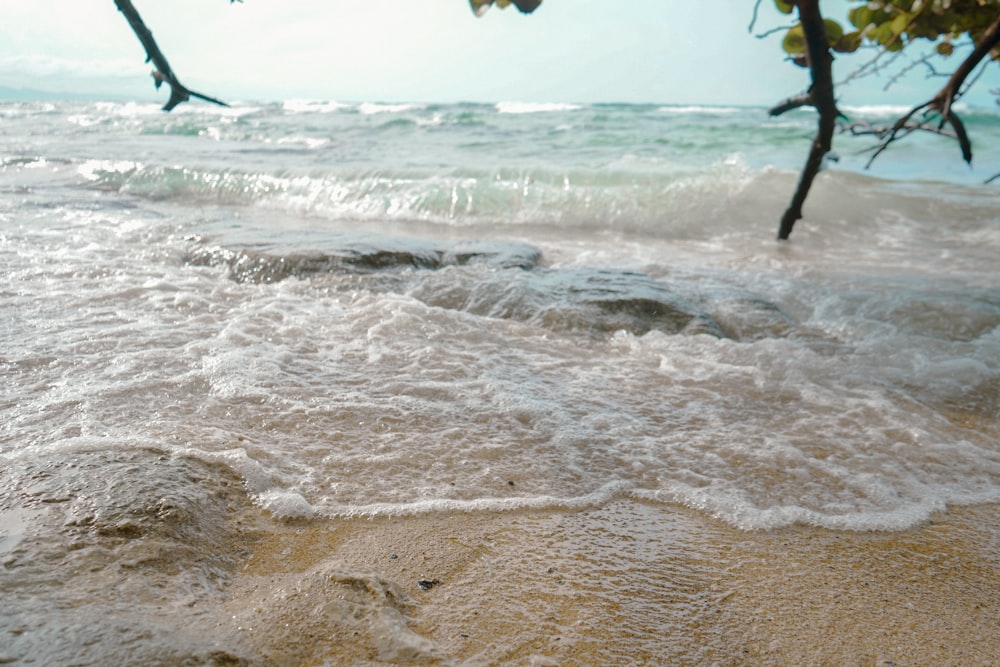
pixel 359 310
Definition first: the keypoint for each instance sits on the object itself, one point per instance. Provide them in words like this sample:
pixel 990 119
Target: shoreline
pixel 626 583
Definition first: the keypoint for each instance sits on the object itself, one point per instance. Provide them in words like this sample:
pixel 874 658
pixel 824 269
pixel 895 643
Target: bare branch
pixel 922 60
pixel 821 93
pixel 862 128
pixel 872 67
pixel 753 22
pixel 753 18
pixel 163 73
pixel 962 135
pixel 891 135
pixel 973 79
pixel 793 102
pixel 768 33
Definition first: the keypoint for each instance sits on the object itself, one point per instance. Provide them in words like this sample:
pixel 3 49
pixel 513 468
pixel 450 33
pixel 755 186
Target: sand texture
pixel 628 583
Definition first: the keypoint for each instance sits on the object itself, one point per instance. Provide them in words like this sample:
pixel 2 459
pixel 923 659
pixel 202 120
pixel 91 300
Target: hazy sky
pixel 660 51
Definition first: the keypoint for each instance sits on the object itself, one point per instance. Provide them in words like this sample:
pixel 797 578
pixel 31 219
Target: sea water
pixel 332 310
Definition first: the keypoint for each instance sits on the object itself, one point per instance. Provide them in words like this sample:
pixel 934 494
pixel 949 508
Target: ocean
pixel 323 312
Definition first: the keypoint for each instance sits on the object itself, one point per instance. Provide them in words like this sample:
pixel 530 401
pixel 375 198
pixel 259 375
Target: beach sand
pixel 627 583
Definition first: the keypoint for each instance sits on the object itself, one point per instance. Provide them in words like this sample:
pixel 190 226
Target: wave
pixel 370 108
pixel 635 194
pixel 313 106
pixel 698 109
pixel 894 111
pixel 535 107
pixel 298 106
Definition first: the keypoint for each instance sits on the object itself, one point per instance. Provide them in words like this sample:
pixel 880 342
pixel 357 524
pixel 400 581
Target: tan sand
pixel 628 583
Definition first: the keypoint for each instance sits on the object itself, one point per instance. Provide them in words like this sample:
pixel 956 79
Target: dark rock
pixel 594 301
pixel 492 279
pixel 750 318
pixel 114 537
pixel 270 256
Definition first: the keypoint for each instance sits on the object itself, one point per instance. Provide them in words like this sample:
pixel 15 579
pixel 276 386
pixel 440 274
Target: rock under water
pixel 489 278
pixel 263 257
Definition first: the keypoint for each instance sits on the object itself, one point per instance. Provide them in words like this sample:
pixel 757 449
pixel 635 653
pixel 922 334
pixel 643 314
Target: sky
pixel 639 51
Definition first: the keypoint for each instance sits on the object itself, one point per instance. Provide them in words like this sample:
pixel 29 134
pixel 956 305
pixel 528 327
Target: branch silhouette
pixel 163 72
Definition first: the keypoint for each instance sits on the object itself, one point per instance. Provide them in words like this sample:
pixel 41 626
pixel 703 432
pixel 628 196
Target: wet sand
pixel 629 583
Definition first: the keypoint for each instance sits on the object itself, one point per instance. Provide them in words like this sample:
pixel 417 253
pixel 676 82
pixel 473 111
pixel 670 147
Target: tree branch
pixel 753 19
pixel 820 96
pixel 861 128
pixel 942 102
pixel 793 102
pixel 479 7
pixel 163 73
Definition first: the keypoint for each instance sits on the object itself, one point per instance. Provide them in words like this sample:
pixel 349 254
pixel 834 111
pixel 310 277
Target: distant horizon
pixel 574 51
pixel 9 94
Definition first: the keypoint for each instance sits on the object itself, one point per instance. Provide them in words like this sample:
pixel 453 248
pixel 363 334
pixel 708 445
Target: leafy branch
pixel 943 102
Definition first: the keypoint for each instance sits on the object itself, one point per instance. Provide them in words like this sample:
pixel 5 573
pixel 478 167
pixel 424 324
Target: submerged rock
pixel 125 554
pixel 489 278
pixel 749 318
pixel 595 301
pixel 141 540
pixel 267 257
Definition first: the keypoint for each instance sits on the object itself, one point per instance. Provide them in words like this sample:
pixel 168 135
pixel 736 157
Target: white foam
pixel 595 498
pixel 308 142
pixel 14 526
pixel 258 479
pixel 314 106
pixel 263 485
pixel 696 109
pixel 535 107
pixel 371 108
pixel 285 504
pixel 877 110
pixel 94 170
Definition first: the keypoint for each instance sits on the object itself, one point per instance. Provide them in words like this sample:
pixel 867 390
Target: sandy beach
pixel 302 384
pixel 627 583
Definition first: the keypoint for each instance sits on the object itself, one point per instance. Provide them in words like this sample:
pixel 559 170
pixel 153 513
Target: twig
pixel 923 60
pixel 753 18
pixel 768 33
pixel 793 102
pixel 862 128
pixel 871 67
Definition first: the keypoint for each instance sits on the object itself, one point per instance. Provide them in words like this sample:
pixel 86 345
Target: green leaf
pixel 848 43
pixel 527 6
pixel 833 31
pixel 861 17
pixel 784 6
pixel 883 34
pixel 479 7
pixel 900 23
pixel 795 40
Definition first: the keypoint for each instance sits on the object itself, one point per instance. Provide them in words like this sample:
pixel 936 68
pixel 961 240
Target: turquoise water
pixel 335 310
